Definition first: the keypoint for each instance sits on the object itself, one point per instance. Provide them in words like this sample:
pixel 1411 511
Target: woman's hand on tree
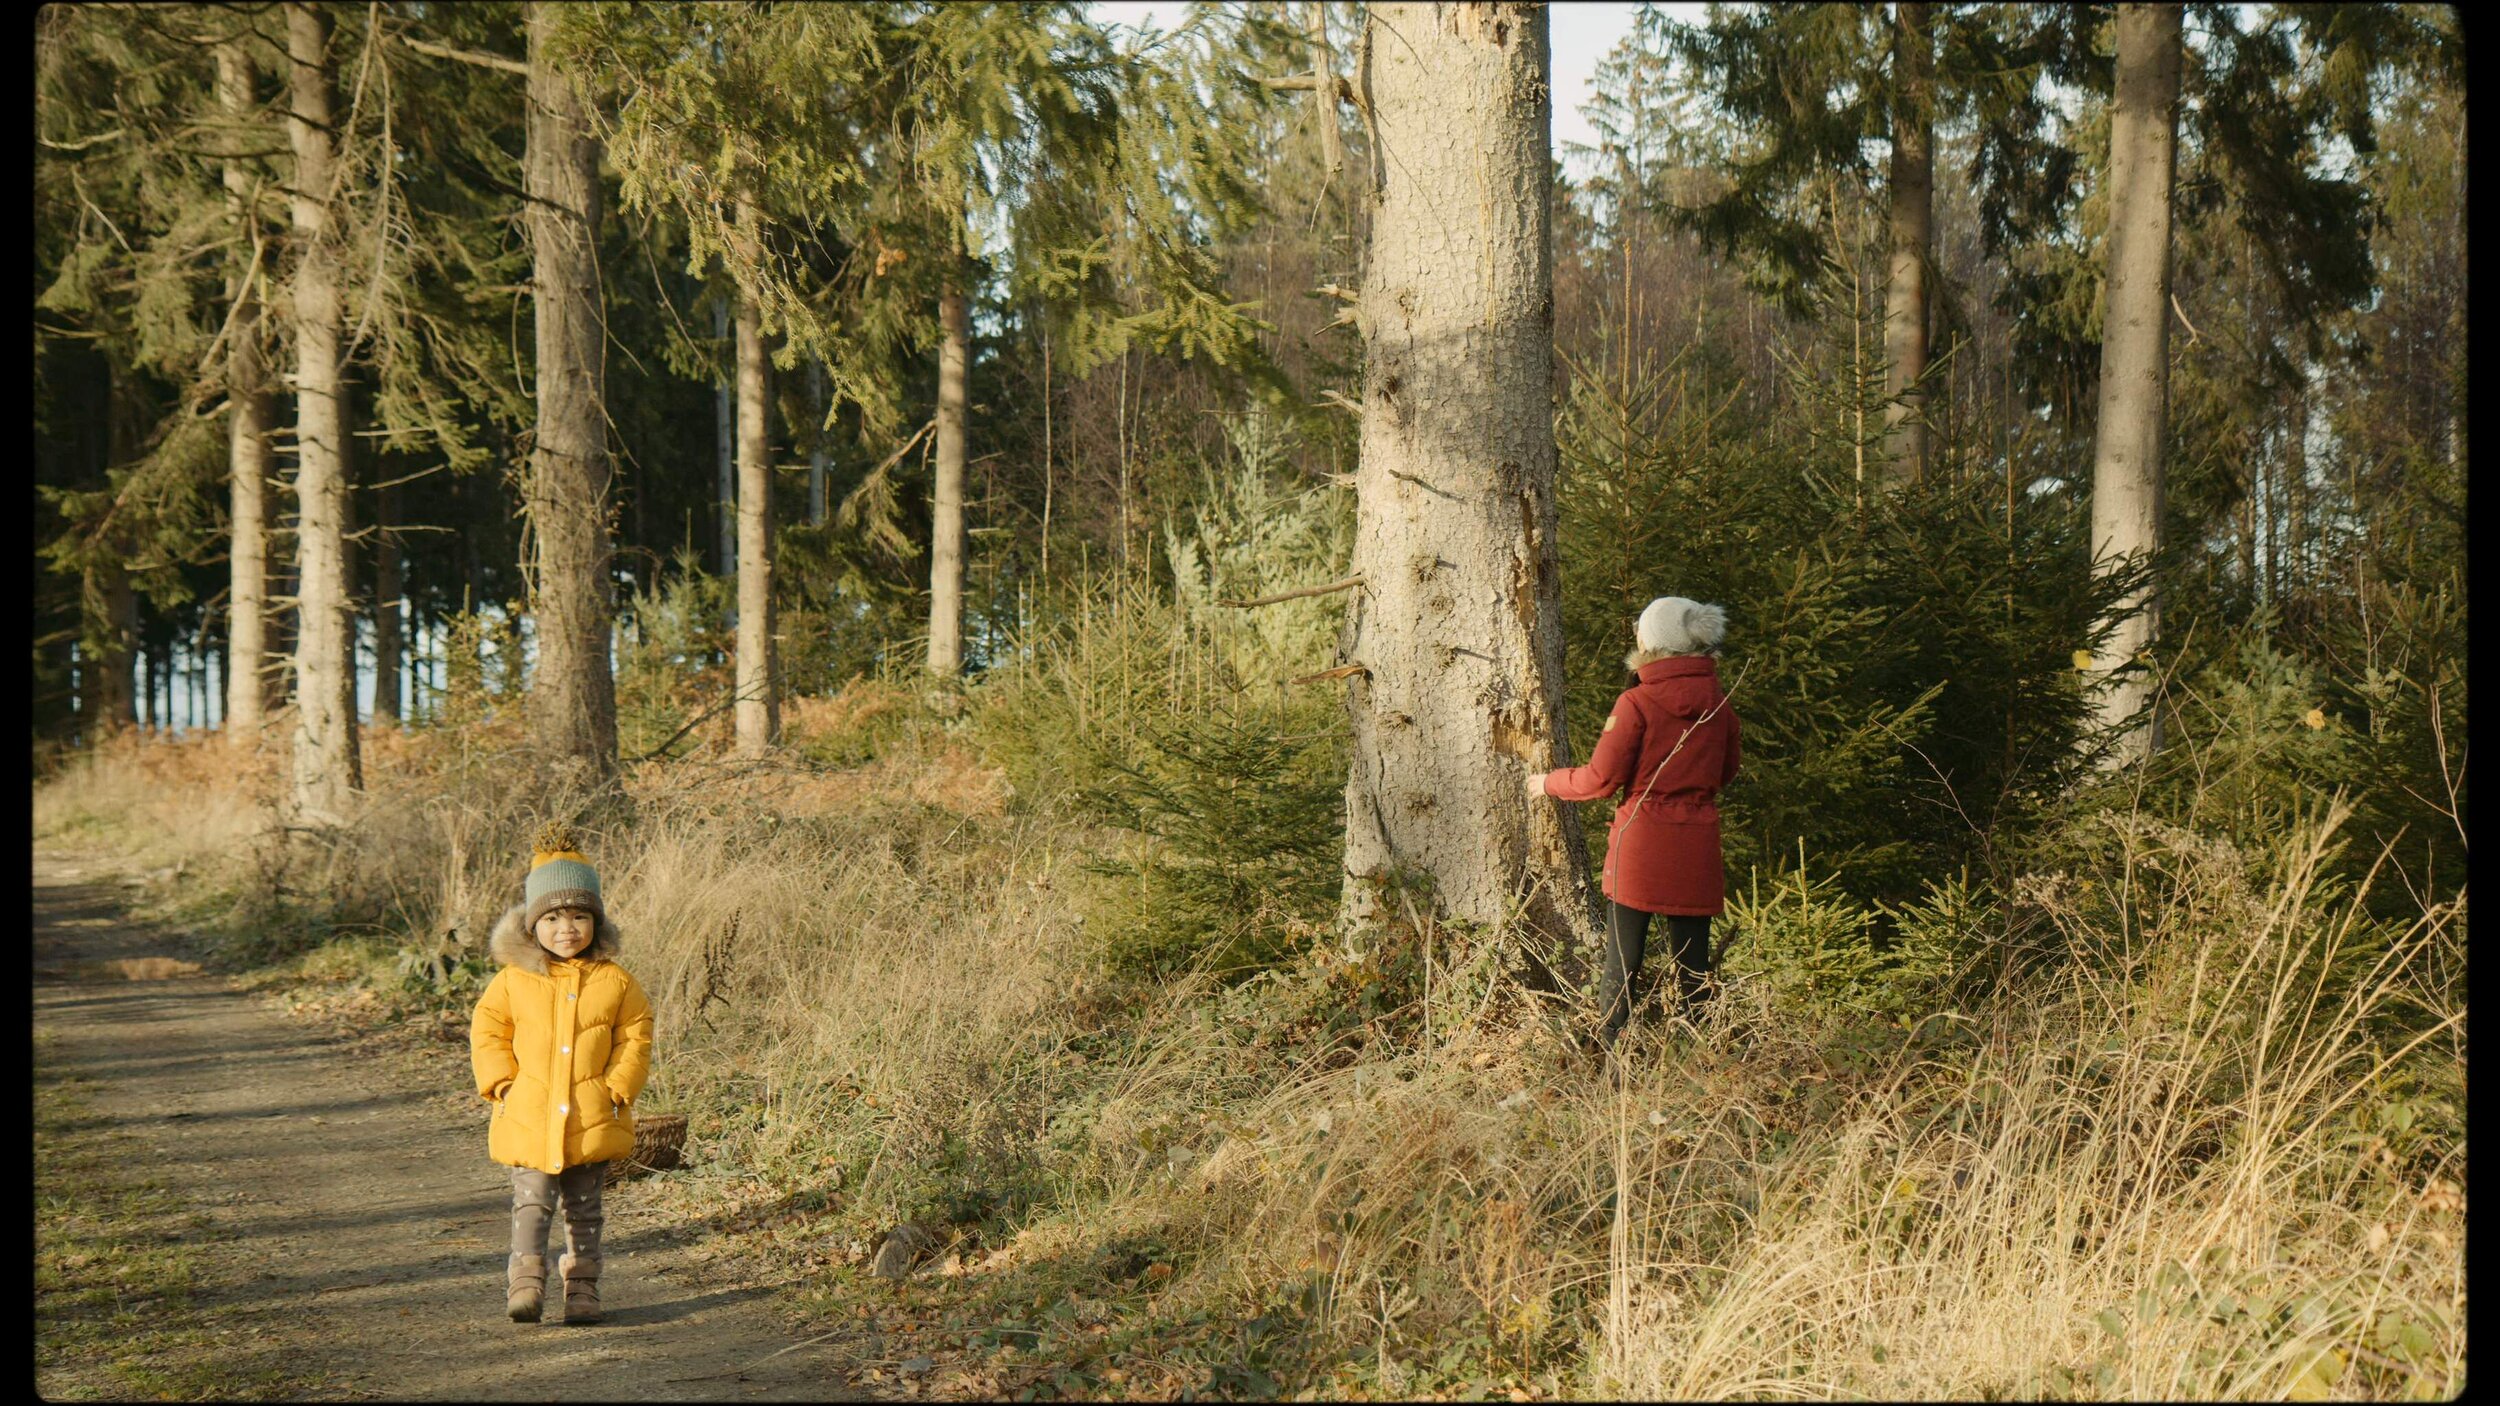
pixel 1536 785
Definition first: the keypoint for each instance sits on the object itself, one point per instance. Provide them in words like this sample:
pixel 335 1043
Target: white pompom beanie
pixel 1674 625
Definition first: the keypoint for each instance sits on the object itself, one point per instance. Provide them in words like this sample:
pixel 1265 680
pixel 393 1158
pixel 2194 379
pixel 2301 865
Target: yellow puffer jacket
pixel 561 1048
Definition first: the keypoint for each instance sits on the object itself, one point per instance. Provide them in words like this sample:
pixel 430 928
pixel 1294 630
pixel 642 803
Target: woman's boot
pixel 525 1287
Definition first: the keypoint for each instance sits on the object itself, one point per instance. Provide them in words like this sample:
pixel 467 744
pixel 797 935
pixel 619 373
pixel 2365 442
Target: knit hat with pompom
pixel 1674 625
pixel 560 876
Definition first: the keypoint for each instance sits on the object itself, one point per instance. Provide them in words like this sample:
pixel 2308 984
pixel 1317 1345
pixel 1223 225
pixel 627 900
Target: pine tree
pixel 2127 451
pixel 758 721
pixel 1910 189
pixel 573 696
pixel 248 396
pixel 1454 643
pixel 327 769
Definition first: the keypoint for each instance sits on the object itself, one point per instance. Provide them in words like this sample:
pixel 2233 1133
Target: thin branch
pixel 2193 334
pixel 1305 82
pixel 713 712
pixel 1346 584
pixel 1340 672
pixel 83 143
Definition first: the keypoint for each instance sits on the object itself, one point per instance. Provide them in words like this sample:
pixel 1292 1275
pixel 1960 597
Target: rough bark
pixel 327 768
pixel 759 706
pixel 247 438
pixel 1913 188
pixel 946 525
pixel 572 701
pixel 1457 628
pixel 2127 448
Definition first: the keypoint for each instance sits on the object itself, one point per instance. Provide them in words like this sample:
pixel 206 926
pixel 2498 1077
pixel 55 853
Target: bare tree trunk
pixel 2248 533
pixel 1913 188
pixel 247 437
pixel 725 455
pixel 819 447
pixel 572 703
pixel 2127 463
pixel 278 679
pixel 2296 488
pixel 327 768
pixel 116 663
pixel 1457 628
pixel 112 700
pixel 946 528
pixel 387 644
pixel 759 706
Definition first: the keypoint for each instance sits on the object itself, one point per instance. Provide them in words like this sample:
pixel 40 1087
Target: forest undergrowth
pixel 2179 1114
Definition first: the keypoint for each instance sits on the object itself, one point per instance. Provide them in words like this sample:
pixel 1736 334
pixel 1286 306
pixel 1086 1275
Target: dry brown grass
pixel 2167 1173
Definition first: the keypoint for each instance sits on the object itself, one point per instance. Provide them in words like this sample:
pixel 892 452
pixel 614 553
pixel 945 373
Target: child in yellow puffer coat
pixel 561 1045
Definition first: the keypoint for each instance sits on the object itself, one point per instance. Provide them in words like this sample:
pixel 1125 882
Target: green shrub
pixel 674 658
pixel 1821 951
pixel 1237 841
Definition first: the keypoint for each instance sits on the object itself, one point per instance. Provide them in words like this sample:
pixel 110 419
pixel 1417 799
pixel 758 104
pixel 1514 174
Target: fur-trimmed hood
pixel 1633 661
pixel 511 944
pixel 1685 686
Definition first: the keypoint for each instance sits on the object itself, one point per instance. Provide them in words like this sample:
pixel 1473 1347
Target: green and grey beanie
pixel 560 877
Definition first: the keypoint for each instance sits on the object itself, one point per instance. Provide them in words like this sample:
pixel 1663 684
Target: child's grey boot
pixel 525 1287
pixel 581 1290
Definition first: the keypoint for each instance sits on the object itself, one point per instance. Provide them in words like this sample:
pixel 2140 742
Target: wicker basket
pixel 659 1143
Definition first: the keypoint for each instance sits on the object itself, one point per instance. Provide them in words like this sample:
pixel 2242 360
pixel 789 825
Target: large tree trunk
pixel 247 439
pixel 1457 628
pixel 327 769
pixel 572 704
pixel 1913 184
pixel 946 525
pixel 2126 460
pixel 759 706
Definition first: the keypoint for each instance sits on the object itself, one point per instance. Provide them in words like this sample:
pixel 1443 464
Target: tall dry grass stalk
pixel 2128 1190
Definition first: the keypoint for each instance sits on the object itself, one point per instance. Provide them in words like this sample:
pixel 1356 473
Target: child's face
pixel 565 931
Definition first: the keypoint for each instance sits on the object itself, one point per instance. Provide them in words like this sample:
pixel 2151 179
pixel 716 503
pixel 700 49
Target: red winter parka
pixel 1662 854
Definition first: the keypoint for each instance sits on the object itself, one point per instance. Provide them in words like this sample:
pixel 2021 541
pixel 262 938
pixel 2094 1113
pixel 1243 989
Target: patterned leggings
pixel 535 1196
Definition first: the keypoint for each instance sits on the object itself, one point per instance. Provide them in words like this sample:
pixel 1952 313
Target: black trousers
pixel 1627 933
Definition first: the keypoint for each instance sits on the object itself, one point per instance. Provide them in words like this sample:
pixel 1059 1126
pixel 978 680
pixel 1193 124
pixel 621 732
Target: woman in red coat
pixel 1667 748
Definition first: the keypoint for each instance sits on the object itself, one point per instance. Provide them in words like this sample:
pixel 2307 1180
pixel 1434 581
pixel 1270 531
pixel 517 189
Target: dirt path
pixel 353 1229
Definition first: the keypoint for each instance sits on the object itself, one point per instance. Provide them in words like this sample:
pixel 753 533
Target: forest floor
pixel 234 1201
